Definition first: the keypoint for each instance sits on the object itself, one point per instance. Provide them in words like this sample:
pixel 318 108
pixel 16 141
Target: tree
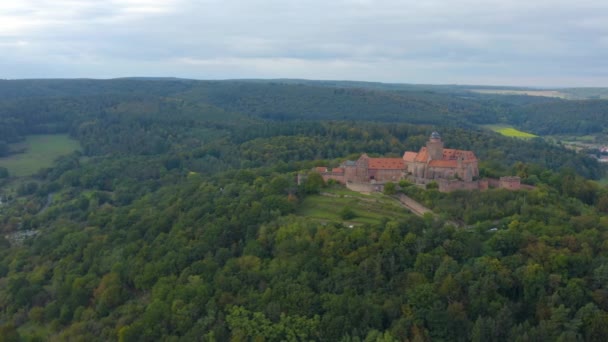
pixel 602 203
pixel 109 292
pixel 390 188
pixel 8 333
pixel 278 185
pixel 404 183
pixel 347 213
pixel 28 188
pixel 313 184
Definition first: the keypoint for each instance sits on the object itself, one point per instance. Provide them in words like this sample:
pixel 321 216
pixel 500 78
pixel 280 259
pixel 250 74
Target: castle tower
pixel 362 168
pixel 435 146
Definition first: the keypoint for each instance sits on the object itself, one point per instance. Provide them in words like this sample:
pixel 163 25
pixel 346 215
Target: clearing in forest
pixel 39 152
pixel 334 203
pixel 510 131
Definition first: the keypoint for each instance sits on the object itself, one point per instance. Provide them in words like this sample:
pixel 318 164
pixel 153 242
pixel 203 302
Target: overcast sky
pixel 507 42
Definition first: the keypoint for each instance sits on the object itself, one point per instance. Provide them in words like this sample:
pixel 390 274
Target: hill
pixel 180 218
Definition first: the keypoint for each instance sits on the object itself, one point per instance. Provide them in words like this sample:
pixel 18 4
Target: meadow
pixel 368 209
pixel 510 131
pixel 39 152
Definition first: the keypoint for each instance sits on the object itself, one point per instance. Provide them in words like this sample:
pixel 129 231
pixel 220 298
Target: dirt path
pixel 414 206
pixel 418 209
pixel 49 200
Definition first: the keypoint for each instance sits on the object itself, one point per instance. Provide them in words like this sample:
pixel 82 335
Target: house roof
pixel 337 170
pixel 450 153
pixel 386 163
pixel 321 169
pixel 422 156
pixel 409 156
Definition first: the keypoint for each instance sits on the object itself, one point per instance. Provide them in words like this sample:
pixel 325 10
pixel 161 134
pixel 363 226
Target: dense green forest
pixel 583 117
pixel 177 219
pixel 303 100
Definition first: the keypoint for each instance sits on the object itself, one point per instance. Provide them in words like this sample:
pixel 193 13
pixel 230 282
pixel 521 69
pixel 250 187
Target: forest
pixel 177 220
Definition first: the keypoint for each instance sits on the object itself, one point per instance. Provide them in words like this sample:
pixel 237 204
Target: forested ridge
pixel 325 100
pixel 319 100
pixel 179 220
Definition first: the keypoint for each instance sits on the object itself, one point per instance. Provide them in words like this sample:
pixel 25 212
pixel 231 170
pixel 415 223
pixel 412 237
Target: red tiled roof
pixel 386 163
pixel 449 153
pixel 337 170
pixel 409 156
pixel 444 163
pixel 422 156
pixel 321 169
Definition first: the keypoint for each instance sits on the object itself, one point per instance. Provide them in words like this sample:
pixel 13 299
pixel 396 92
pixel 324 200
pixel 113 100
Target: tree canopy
pixel 179 220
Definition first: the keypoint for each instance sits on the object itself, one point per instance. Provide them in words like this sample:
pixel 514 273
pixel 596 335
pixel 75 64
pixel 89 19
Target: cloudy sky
pixel 507 42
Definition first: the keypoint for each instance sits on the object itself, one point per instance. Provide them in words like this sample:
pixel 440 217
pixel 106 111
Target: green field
pixel 510 131
pixel 573 139
pixel 40 152
pixel 369 209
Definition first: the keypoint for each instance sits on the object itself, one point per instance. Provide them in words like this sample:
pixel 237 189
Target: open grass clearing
pixel 510 131
pixel 40 152
pixel 578 138
pixel 368 209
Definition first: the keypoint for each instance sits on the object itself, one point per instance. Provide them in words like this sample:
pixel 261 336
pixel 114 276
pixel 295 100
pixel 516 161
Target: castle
pixel 436 162
pixel 451 169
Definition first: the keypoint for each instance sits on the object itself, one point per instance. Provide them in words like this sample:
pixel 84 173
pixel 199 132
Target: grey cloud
pixel 462 41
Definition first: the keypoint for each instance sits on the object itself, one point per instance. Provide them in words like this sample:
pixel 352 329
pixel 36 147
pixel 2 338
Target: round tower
pixel 435 146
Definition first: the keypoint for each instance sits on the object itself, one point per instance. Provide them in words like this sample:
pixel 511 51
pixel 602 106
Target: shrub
pixel 347 213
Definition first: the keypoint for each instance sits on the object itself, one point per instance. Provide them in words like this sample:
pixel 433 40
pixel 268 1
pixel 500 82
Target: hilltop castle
pixel 436 162
pixel 451 169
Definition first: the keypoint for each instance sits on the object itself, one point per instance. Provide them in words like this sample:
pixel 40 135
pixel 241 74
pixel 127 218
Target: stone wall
pixel 419 180
pixel 338 177
pixel 350 173
pixel 483 184
pixel 452 185
pixel 386 175
pixel 365 187
pixel 493 182
pixel 445 185
pixel 509 183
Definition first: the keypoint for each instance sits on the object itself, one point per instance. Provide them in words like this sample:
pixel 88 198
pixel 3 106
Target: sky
pixel 543 43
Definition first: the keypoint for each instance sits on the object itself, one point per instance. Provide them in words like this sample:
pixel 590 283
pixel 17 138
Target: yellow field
pixel 510 131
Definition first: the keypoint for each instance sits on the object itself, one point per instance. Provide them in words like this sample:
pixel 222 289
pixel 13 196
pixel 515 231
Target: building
pixel 367 169
pixel 434 162
pixel 451 169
